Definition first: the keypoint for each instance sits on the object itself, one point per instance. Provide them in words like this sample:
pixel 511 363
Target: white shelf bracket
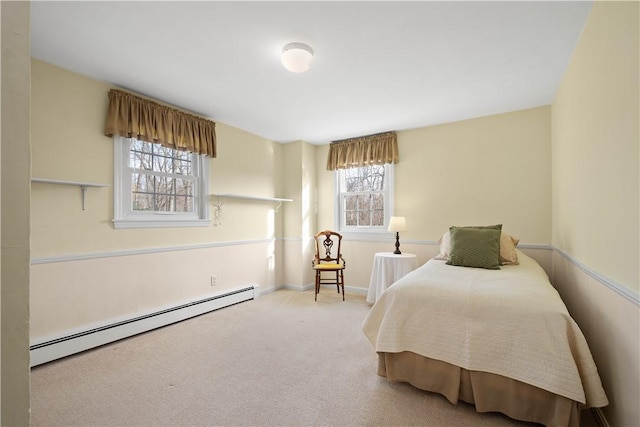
pixel 83 190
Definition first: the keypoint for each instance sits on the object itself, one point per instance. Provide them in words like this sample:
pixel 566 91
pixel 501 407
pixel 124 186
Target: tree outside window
pixel 162 179
pixel 364 197
pixel 157 186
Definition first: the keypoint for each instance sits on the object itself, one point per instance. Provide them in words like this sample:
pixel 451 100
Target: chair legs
pixel 339 282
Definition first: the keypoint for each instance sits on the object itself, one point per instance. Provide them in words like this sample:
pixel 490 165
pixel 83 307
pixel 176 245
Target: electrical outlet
pixel 214 280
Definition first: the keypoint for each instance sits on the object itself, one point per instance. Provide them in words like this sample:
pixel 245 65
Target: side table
pixel 387 268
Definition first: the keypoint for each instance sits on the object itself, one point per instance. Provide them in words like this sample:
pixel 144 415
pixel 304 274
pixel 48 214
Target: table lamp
pixel 397 224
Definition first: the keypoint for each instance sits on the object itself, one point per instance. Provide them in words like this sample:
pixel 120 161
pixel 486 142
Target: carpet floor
pixel 280 360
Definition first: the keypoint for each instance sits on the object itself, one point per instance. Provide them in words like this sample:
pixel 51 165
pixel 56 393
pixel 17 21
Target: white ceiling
pixel 378 66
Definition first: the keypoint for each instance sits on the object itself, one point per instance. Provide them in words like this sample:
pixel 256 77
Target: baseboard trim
pixel 66 345
pixel 599 417
pixel 352 289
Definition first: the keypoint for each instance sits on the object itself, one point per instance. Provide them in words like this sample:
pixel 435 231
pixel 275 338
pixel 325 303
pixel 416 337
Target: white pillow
pixel 508 253
pixel 445 247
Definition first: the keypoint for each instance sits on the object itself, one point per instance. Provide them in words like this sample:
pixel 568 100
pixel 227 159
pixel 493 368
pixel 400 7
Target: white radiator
pixel 56 348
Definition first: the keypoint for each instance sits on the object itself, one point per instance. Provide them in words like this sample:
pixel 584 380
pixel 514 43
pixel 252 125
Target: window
pixel 156 186
pixel 364 198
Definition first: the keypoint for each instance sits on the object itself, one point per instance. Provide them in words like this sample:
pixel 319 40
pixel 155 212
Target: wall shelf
pixel 218 205
pixel 264 199
pixel 83 185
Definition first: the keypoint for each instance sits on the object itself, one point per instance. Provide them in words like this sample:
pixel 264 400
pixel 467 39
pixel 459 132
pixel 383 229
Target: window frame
pixel 125 217
pixel 366 232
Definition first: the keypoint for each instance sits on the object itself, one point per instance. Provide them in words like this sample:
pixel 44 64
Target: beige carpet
pixel 281 360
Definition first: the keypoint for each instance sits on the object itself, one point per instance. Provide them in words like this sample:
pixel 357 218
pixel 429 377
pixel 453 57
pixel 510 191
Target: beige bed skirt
pixel 488 392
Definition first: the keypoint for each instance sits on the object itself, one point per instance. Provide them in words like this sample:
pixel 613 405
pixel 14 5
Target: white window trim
pixel 124 217
pixel 364 233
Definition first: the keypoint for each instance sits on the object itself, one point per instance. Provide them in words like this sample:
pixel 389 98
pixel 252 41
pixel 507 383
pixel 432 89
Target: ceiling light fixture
pixel 296 57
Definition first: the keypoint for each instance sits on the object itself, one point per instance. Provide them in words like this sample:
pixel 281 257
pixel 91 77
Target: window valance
pixel 135 117
pixel 375 149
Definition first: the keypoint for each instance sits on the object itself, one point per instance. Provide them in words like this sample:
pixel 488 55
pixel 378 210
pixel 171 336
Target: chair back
pixel 328 247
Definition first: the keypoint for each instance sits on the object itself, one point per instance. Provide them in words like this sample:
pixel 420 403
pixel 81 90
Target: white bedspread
pixel 510 322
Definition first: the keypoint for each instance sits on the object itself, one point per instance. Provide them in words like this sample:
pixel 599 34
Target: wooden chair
pixel 329 259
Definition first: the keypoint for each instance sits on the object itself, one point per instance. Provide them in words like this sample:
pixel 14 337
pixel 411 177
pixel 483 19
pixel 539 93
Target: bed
pixel 501 339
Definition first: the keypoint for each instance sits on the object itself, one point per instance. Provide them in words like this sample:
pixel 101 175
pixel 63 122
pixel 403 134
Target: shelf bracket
pixel 83 190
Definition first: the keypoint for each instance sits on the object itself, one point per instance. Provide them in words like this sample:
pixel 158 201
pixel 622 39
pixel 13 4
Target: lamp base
pixel 397 251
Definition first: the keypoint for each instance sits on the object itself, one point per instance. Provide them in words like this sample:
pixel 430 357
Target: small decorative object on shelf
pixel 397 224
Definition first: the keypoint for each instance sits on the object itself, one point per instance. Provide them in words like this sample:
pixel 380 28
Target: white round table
pixel 387 268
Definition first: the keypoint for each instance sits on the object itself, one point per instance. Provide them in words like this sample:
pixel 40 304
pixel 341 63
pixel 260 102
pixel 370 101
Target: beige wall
pixel 294 265
pixel 309 201
pixel 324 190
pixel 595 147
pixel 15 167
pixel 292 188
pixel 595 190
pixel 78 295
pixel 112 274
pixel 610 323
pixel 300 215
pixel 489 170
pixel 69 144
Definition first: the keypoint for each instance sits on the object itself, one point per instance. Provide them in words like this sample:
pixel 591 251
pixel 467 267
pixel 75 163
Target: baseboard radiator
pixel 63 346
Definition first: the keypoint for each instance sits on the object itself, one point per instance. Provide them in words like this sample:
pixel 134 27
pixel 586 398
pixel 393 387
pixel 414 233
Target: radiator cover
pixel 67 345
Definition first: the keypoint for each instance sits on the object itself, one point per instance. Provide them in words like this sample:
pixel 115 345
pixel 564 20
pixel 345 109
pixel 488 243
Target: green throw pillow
pixel 475 247
pixel 488 227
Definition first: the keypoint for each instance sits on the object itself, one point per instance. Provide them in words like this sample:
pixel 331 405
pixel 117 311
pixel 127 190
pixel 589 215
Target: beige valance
pixel 375 149
pixel 135 117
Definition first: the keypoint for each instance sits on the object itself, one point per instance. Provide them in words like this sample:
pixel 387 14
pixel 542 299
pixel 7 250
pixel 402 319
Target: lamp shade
pixel 297 57
pixel 397 223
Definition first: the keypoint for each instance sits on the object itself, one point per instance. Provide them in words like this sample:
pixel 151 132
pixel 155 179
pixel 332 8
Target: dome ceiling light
pixel 297 57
